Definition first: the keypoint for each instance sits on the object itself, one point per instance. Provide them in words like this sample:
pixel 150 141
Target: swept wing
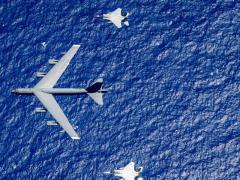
pixel 50 79
pixel 54 109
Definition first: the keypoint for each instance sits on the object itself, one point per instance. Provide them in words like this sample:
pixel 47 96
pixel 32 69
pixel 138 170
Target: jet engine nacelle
pixel 41 74
pixel 40 110
pixel 52 123
pixel 53 61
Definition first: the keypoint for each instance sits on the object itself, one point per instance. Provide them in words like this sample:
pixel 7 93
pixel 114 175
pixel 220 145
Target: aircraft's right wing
pixel 129 167
pixel 117 12
pixel 50 79
pixel 54 109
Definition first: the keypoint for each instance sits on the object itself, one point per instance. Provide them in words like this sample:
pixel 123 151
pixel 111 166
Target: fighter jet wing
pixel 129 167
pixel 117 22
pixel 117 12
pixel 128 177
pixel 54 109
pixel 50 79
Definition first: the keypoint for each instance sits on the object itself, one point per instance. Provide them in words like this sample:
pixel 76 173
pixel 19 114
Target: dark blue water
pixel 174 76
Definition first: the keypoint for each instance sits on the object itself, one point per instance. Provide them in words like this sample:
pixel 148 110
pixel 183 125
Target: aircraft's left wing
pixel 54 109
pixel 127 177
pixel 50 79
pixel 117 22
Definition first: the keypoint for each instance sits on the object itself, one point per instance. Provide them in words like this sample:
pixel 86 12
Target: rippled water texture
pixel 174 76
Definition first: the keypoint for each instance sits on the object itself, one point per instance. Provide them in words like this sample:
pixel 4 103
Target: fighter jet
pixel 116 18
pixel 44 91
pixel 128 172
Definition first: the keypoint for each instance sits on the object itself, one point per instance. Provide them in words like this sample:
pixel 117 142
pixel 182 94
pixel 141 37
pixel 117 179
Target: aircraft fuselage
pixel 50 90
pixel 53 90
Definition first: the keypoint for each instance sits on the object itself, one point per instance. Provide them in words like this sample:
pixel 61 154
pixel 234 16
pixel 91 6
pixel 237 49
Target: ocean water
pixel 174 80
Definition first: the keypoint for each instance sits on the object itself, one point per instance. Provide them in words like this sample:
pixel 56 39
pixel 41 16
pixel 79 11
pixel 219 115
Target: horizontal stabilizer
pixel 126 23
pixel 97 97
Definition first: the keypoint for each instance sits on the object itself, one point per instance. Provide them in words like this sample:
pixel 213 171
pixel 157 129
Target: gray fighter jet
pixel 44 91
pixel 128 172
pixel 116 18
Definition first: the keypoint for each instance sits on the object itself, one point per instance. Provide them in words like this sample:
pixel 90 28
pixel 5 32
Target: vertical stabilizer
pixel 96 86
pixel 94 91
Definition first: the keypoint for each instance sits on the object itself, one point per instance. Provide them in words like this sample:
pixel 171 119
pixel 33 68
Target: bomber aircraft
pixel 44 91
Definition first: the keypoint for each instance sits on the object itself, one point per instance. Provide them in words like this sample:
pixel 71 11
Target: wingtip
pixel 76 45
pixel 75 137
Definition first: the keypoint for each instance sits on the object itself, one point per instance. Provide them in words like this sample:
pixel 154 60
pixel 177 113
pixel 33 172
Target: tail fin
pixel 92 91
pixel 96 86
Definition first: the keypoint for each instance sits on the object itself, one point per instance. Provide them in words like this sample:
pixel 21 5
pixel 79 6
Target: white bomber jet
pixel 116 18
pixel 128 172
pixel 44 91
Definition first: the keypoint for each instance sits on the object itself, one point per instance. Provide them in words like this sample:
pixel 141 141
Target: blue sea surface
pixel 174 79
